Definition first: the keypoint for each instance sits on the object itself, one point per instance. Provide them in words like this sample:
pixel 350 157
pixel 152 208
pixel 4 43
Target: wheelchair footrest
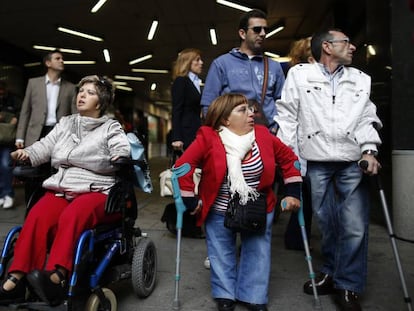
pixel 38 306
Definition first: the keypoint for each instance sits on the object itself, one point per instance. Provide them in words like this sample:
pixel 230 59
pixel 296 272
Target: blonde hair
pixel 221 108
pixel 182 64
pixel 300 51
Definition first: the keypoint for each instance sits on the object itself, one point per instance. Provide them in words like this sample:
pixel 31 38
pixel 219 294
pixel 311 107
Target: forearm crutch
pixel 407 299
pixel 179 205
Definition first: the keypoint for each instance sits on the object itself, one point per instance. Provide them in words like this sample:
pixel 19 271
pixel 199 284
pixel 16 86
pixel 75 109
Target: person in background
pixel 186 111
pixel 236 155
pixel 242 70
pixel 47 99
pixel 81 148
pixel 186 95
pixel 326 110
pixel 9 109
pixel 300 52
pixel 140 129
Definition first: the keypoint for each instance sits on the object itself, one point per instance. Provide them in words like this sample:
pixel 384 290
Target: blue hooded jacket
pixel 235 72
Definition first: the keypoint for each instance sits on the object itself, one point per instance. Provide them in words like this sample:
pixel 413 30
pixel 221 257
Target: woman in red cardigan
pixel 237 156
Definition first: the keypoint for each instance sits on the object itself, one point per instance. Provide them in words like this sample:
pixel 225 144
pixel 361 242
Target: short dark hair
pixel 255 13
pixel 104 88
pixel 317 40
pixel 48 56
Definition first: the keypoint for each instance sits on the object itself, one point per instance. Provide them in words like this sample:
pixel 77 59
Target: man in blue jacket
pixel 242 70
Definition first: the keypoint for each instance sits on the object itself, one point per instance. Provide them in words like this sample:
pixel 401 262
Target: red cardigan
pixel 208 153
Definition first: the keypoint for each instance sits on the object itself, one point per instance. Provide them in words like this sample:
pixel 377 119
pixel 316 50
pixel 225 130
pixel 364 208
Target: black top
pixel 186 110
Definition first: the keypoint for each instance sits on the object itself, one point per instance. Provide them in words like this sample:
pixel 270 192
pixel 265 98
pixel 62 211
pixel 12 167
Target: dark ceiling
pixel 124 25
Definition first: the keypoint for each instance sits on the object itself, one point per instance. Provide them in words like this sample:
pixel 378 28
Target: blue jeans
pixel 6 173
pixel 246 279
pixel 340 203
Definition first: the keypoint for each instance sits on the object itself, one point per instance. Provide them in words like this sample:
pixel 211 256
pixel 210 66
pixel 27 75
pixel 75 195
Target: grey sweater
pixel 80 148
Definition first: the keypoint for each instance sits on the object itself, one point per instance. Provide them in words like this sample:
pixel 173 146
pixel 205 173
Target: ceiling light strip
pixel 275 31
pixel 152 30
pixel 52 48
pixel 149 70
pixel 129 78
pixel 141 59
pixel 79 34
pixel 80 62
pixel 106 55
pixel 97 6
pixel 234 5
pixel 213 36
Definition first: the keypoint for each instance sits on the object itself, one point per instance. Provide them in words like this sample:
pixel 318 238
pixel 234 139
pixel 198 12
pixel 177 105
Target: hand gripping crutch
pixel 407 299
pixel 179 205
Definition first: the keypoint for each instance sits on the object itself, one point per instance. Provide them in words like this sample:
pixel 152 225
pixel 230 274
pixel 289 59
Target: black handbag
pixel 250 217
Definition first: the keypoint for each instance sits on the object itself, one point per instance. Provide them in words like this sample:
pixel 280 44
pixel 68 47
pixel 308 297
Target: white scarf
pixel 237 147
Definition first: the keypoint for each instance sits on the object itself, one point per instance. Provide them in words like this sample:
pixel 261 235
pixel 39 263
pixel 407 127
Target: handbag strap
pixel 265 77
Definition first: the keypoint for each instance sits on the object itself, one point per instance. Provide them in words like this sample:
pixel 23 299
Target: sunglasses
pixel 258 29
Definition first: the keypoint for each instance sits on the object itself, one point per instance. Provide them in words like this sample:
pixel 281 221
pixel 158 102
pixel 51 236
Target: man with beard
pixel 242 70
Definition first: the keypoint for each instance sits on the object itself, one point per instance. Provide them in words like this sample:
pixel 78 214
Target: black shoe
pixel 347 300
pixel 256 307
pixel 15 295
pixel 224 304
pixel 48 291
pixel 324 285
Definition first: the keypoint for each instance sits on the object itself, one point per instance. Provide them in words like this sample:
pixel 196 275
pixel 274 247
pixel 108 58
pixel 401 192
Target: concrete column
pixel 402 110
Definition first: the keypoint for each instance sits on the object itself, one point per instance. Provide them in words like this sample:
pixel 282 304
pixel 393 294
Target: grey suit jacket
pixel 34 108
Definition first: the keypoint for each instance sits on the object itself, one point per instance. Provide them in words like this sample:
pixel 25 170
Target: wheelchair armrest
pixel 121 161
pixel 24 170
pixel 125 161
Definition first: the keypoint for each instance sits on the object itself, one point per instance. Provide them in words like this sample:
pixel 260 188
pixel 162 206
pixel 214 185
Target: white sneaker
pixel 1 202
pixel 207 263
pixel 8 202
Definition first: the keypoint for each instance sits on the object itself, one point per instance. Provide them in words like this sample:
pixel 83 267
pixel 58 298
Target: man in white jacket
pixel 326 113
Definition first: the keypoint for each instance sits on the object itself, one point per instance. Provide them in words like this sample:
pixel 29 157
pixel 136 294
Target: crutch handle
pixel 363 164
pixel 179 204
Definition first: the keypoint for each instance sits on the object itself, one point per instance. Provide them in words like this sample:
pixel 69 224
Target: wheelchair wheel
pixel 93 303
pixel 144 267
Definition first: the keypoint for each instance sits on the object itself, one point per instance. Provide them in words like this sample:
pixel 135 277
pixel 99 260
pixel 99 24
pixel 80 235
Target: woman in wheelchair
pixel 81 148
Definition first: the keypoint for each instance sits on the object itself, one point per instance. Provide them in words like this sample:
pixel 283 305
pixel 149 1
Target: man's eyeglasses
pixel 345 41
pixel 258 29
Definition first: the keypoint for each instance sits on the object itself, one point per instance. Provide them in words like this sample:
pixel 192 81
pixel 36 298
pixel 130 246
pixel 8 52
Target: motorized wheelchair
pixel 104 255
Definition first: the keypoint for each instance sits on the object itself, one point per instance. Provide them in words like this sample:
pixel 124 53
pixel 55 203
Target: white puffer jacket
pixel 325 127
pixel 80 148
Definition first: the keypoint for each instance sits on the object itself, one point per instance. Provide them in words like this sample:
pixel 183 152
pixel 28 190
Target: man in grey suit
pixel 47 99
